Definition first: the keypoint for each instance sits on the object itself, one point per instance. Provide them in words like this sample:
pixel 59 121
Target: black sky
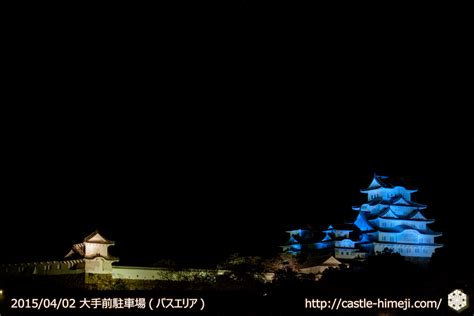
pixel 197 195
pixel 196 142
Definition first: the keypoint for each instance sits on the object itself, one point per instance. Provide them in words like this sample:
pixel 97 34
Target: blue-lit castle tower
pixel 391 220
pixel 388 220
pixel 301 240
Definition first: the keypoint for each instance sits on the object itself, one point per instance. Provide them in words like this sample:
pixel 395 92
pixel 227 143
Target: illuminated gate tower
pixel 390 219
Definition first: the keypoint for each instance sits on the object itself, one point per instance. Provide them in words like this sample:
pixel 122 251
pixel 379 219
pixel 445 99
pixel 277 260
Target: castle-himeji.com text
pixel 339 303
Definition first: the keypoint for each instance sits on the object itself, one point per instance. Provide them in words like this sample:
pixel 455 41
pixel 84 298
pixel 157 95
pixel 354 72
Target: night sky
pixel 196 143
pixel 199 193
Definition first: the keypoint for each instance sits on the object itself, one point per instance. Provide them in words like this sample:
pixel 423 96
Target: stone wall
pixel 163 274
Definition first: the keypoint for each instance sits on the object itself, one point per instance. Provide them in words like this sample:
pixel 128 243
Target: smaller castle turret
pixel 94 251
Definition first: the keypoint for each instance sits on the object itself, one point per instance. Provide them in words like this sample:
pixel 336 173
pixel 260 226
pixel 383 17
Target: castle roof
pixel 379 181
pixel 323 260
pixel 77 251
pixel 97 238
pixel 109 257
pixel 397 200
pixel 364 239
pixel 401 201
pixel 389 213
pixel 294 239
pixel 416 215
pixel 362 222
pixel 342 227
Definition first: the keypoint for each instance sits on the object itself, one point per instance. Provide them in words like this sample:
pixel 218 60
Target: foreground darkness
pixel 369 280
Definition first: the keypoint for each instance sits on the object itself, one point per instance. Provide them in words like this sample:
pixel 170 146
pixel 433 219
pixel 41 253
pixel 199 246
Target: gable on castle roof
pixel 418 215
pixel 379 181
pixel 95 237
pixel 388 213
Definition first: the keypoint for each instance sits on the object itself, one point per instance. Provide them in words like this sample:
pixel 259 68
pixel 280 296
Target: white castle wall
pixel 406 250
pixel 98 266
pixel 95 249
pixel 44 268
pixel 162 274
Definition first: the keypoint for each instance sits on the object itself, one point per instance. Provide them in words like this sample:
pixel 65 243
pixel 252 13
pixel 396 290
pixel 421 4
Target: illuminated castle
pixel 388 220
